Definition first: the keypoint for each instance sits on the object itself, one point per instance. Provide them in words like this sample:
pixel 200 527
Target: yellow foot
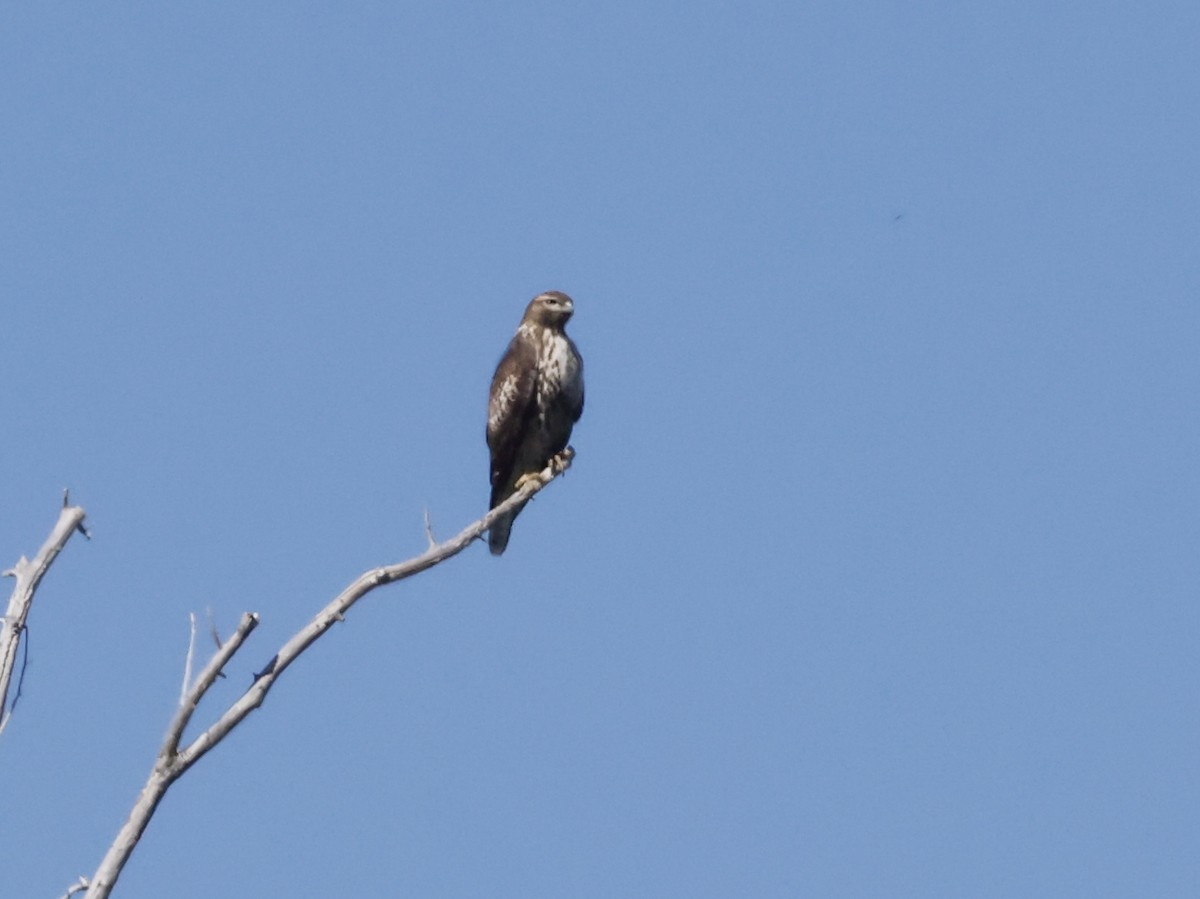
pixel 557 465
pixel 527 478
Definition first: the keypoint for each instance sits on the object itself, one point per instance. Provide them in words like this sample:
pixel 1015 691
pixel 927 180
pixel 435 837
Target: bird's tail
pixel 500 529
pixel 498 534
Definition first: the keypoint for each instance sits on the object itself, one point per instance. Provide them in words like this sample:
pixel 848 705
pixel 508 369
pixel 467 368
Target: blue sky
pixel 876 574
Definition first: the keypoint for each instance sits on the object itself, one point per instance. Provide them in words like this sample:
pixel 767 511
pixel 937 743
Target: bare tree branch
pixel 173 762
pixel 29 575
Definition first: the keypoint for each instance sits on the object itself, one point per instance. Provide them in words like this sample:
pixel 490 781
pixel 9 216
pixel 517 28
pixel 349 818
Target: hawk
pixel 536 397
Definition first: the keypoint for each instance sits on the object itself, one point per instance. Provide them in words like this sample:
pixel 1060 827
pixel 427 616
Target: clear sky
pixel 877 573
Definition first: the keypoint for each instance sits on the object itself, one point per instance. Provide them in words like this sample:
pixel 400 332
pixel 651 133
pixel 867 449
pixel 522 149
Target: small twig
pixel 187 664
pixel 29 575
pixel 173 761
pixel 212 627
pixel 78 887
pixel 429 529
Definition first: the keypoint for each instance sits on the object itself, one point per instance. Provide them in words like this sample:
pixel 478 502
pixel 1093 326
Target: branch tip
pixel 77 887
pixel 28 576
pixel 187 663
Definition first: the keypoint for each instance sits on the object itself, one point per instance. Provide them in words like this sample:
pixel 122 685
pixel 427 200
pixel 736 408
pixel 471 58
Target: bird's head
pixel 551 309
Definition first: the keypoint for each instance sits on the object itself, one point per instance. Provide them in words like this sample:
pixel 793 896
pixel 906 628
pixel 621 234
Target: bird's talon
pixel 559 462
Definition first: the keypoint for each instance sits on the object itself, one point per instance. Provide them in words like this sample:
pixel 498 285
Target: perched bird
pixel 536 397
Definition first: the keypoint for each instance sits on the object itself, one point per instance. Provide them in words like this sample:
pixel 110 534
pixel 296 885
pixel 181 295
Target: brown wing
pixel 511 411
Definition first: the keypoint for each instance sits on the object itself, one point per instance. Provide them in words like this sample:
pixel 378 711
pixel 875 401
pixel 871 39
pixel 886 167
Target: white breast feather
pixel 556 371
